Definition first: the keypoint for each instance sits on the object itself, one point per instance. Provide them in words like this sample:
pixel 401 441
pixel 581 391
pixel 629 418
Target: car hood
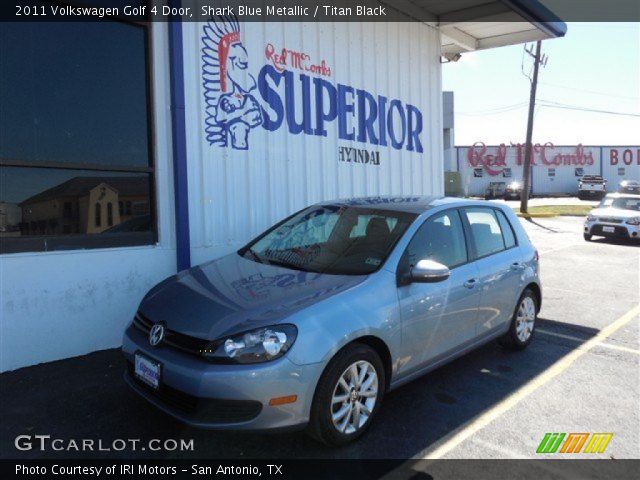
pixel 614 212
pixel 234 294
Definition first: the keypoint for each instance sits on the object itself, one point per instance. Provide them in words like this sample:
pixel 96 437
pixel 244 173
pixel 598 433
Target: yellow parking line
pixel 580 340
pixel 472 427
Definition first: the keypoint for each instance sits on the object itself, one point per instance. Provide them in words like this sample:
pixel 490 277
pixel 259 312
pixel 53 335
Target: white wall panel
pixel 620 163
pixel 234 194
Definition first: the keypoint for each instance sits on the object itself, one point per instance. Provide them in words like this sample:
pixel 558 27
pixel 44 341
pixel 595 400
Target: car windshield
pixel 335 239
pixel 623 203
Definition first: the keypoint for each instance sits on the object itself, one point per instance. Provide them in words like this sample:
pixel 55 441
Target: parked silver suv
pixel 314 320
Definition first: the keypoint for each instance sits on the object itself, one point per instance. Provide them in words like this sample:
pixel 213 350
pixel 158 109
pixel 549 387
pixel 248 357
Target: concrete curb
pixel 536 215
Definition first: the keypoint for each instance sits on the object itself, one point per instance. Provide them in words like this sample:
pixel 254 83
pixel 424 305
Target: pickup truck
pixel 592 187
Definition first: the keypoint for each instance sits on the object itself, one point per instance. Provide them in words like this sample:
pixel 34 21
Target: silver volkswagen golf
pixel 314 320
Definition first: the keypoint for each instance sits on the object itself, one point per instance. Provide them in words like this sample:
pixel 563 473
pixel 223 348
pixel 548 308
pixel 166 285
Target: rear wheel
pixel 348 395
pixel 523 322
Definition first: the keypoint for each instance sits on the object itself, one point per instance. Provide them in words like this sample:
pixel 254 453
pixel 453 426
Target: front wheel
pixel 348 395
pixel 587 237
pixel 523 322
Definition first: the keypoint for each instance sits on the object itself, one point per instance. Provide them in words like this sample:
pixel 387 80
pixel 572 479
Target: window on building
pixel 71 130
pixel 98 208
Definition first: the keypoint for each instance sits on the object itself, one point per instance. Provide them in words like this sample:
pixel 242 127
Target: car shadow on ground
pixel 86 398
pixel 624 242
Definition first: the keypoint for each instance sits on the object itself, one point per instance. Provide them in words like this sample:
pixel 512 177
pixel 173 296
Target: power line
pixel 547 103
pixel 543 103
pixel 588 91
pixel 496 110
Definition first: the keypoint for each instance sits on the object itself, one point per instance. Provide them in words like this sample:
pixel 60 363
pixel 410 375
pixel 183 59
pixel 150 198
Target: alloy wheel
pixel 525 319
pixel 354 397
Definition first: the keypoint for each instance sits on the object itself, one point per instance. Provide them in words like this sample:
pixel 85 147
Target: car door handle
pixel 470 283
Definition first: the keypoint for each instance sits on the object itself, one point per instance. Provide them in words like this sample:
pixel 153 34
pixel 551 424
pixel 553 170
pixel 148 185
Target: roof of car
pixel 402 203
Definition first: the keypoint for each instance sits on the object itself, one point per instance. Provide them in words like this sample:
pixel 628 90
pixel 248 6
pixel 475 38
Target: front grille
pixel 186 343
pixel 609 220
pixel 209 410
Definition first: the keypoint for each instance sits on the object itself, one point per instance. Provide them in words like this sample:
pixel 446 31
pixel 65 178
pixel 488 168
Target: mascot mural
pixel 231 110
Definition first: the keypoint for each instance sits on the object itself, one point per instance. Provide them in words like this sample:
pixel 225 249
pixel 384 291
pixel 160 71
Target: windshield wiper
pixel 292 266
pixel 255 256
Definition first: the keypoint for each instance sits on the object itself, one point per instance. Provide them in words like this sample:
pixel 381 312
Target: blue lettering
pixel 290 99
pixel 343 109
pixel 382 119
pixel 397 105
pixel 271 97
pixel 414 118
pixel 323 116
pixel 366 119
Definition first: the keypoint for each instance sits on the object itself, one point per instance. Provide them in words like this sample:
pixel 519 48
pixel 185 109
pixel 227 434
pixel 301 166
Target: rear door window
pixel 485 231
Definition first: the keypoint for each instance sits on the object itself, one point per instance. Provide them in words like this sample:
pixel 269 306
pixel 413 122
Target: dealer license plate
pixel 608 229
pixel 147 370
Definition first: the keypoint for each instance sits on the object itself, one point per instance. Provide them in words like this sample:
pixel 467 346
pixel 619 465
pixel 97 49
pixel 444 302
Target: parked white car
pixel 618 215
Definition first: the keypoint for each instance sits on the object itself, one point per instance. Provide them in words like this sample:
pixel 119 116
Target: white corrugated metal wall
pixel 234 194
pixel 557 173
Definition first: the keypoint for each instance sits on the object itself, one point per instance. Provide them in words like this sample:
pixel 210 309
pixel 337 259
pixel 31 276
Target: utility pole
pixel 528 148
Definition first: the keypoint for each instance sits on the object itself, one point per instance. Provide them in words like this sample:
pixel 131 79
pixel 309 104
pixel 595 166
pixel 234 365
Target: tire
pixel 324 407
pixel 516 338
pixel 587 237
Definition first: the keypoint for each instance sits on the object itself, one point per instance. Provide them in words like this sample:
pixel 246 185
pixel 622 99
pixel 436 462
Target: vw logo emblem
pixel 156 334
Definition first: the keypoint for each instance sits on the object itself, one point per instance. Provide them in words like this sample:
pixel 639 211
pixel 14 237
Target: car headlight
pixel 634 221
pixel 591 218
pixel 255 346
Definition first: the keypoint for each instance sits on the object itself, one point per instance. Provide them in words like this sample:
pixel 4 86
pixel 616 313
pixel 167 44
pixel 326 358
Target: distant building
pixel 555 169
pixel 10 218
pixel 85 205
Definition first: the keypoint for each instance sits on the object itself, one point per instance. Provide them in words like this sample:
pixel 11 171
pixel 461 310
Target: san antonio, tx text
pixel 128 469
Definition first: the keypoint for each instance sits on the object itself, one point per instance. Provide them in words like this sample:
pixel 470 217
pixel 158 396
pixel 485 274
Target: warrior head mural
pixel 231 110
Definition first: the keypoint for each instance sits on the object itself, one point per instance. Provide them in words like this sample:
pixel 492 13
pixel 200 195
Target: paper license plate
pixel 147 370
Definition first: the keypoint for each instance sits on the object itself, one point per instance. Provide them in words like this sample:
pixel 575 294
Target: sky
pixel 595 66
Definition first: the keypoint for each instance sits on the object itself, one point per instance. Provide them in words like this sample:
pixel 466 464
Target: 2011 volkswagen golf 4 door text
pixel 314 320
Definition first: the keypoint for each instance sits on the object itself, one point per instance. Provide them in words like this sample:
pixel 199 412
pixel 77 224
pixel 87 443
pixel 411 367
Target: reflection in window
pixel 74 138
pixel 485 230
pixel 98 215
pixel 110 214
pixel 57 202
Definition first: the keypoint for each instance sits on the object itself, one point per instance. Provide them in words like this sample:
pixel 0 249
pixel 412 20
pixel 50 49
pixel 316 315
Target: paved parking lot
pixel 579 375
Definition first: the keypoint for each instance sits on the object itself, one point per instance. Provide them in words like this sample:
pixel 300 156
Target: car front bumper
pixel 620 230
pixel 215 396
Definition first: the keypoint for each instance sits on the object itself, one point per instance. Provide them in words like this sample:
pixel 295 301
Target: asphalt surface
pixel 463 410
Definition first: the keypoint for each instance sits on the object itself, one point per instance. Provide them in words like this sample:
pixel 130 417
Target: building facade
pixel 149 147
pixel 555 169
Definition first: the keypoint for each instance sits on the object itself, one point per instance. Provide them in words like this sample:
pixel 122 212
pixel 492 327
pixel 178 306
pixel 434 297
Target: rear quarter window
pixel 507 230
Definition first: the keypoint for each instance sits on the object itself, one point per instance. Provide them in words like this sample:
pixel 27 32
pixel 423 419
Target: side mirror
pixel 429 271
